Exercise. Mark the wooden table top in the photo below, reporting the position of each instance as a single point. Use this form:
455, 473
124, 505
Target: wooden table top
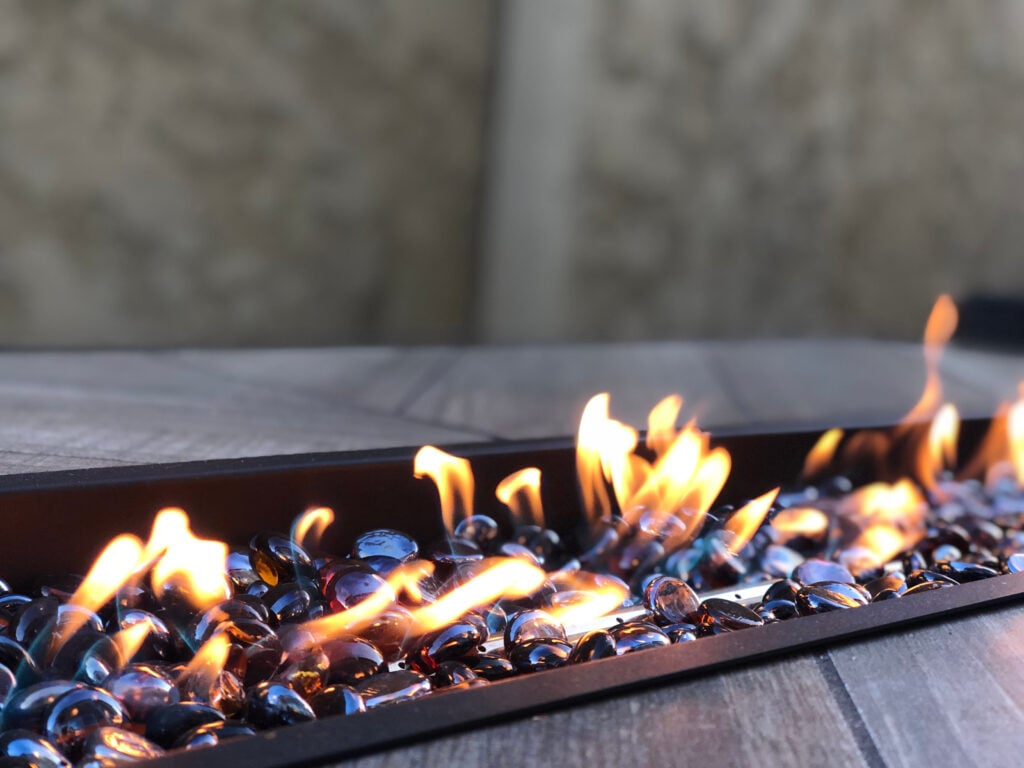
951, 693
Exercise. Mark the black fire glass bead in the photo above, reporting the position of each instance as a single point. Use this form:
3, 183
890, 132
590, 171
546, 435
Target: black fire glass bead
815, 570
7, 684
828, 596
887, 594
785, 589
39, 752
17, 659
889, 583
1014, 563
57, 585
914, 561
382, 565
234, 609
26, 708
159, 643
212, 734
778, 561
682, 562
305, 671
74, 717
924, 576
258, 589
135, 597
351, 659
835, 486
240, 571
928, 586
389, 630
683, 632
962, 572
392, 687
638, 636
540, 654
118, 745
226, 692
451, 552
337, 700
636, 558
11, 606
269, 705
597, 644
88, 656
717, 615
350, 588
165, 725
946, 552
385, 541
456, 642
670, 599
480, 529
451, 674
289, 602
277, 558
603, 537
491, 667
513, 549
141, 688
532, 625
777, 610
34, 618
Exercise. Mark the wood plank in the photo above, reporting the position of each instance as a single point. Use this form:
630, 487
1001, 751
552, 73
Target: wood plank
538, 391
748, 716
840, 380
946, 694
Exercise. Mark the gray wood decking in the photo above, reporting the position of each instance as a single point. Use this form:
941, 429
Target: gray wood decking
951, 693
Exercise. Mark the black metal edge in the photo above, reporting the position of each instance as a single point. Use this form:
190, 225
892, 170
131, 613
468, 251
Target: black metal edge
443, 714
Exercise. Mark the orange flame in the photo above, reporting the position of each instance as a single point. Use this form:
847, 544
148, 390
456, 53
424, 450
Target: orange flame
1015, 433
938, 450
800, 521
596, 598
589, 470
313, 520
938, 331
520, 492
820, 456
130, 639
745, 521
453, 477
205, 667
109, 573
994, 447
890, 517
506, 577
661, 424
181, 558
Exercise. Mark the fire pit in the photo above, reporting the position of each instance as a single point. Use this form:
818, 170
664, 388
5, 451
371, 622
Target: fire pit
716, 548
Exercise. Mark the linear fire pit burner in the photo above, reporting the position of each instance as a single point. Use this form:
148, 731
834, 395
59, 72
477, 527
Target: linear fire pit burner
65, 518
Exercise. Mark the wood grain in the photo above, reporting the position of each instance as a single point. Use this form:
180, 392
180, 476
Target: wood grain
754, 716
945, 694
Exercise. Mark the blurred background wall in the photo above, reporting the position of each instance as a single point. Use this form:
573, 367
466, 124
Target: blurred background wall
213, 172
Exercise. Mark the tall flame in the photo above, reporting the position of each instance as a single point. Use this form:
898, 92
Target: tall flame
591, 598
938, 331
453, 477
197, 565
313, 521
890, 518
589, 442
1015, 433
520, 492
820, 456
130, 639
745, 521
112, 569
938, 450
661, 424
205, 667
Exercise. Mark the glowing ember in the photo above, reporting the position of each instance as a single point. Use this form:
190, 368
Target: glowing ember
453, 478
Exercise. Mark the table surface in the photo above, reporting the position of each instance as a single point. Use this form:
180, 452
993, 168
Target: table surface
939, 694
